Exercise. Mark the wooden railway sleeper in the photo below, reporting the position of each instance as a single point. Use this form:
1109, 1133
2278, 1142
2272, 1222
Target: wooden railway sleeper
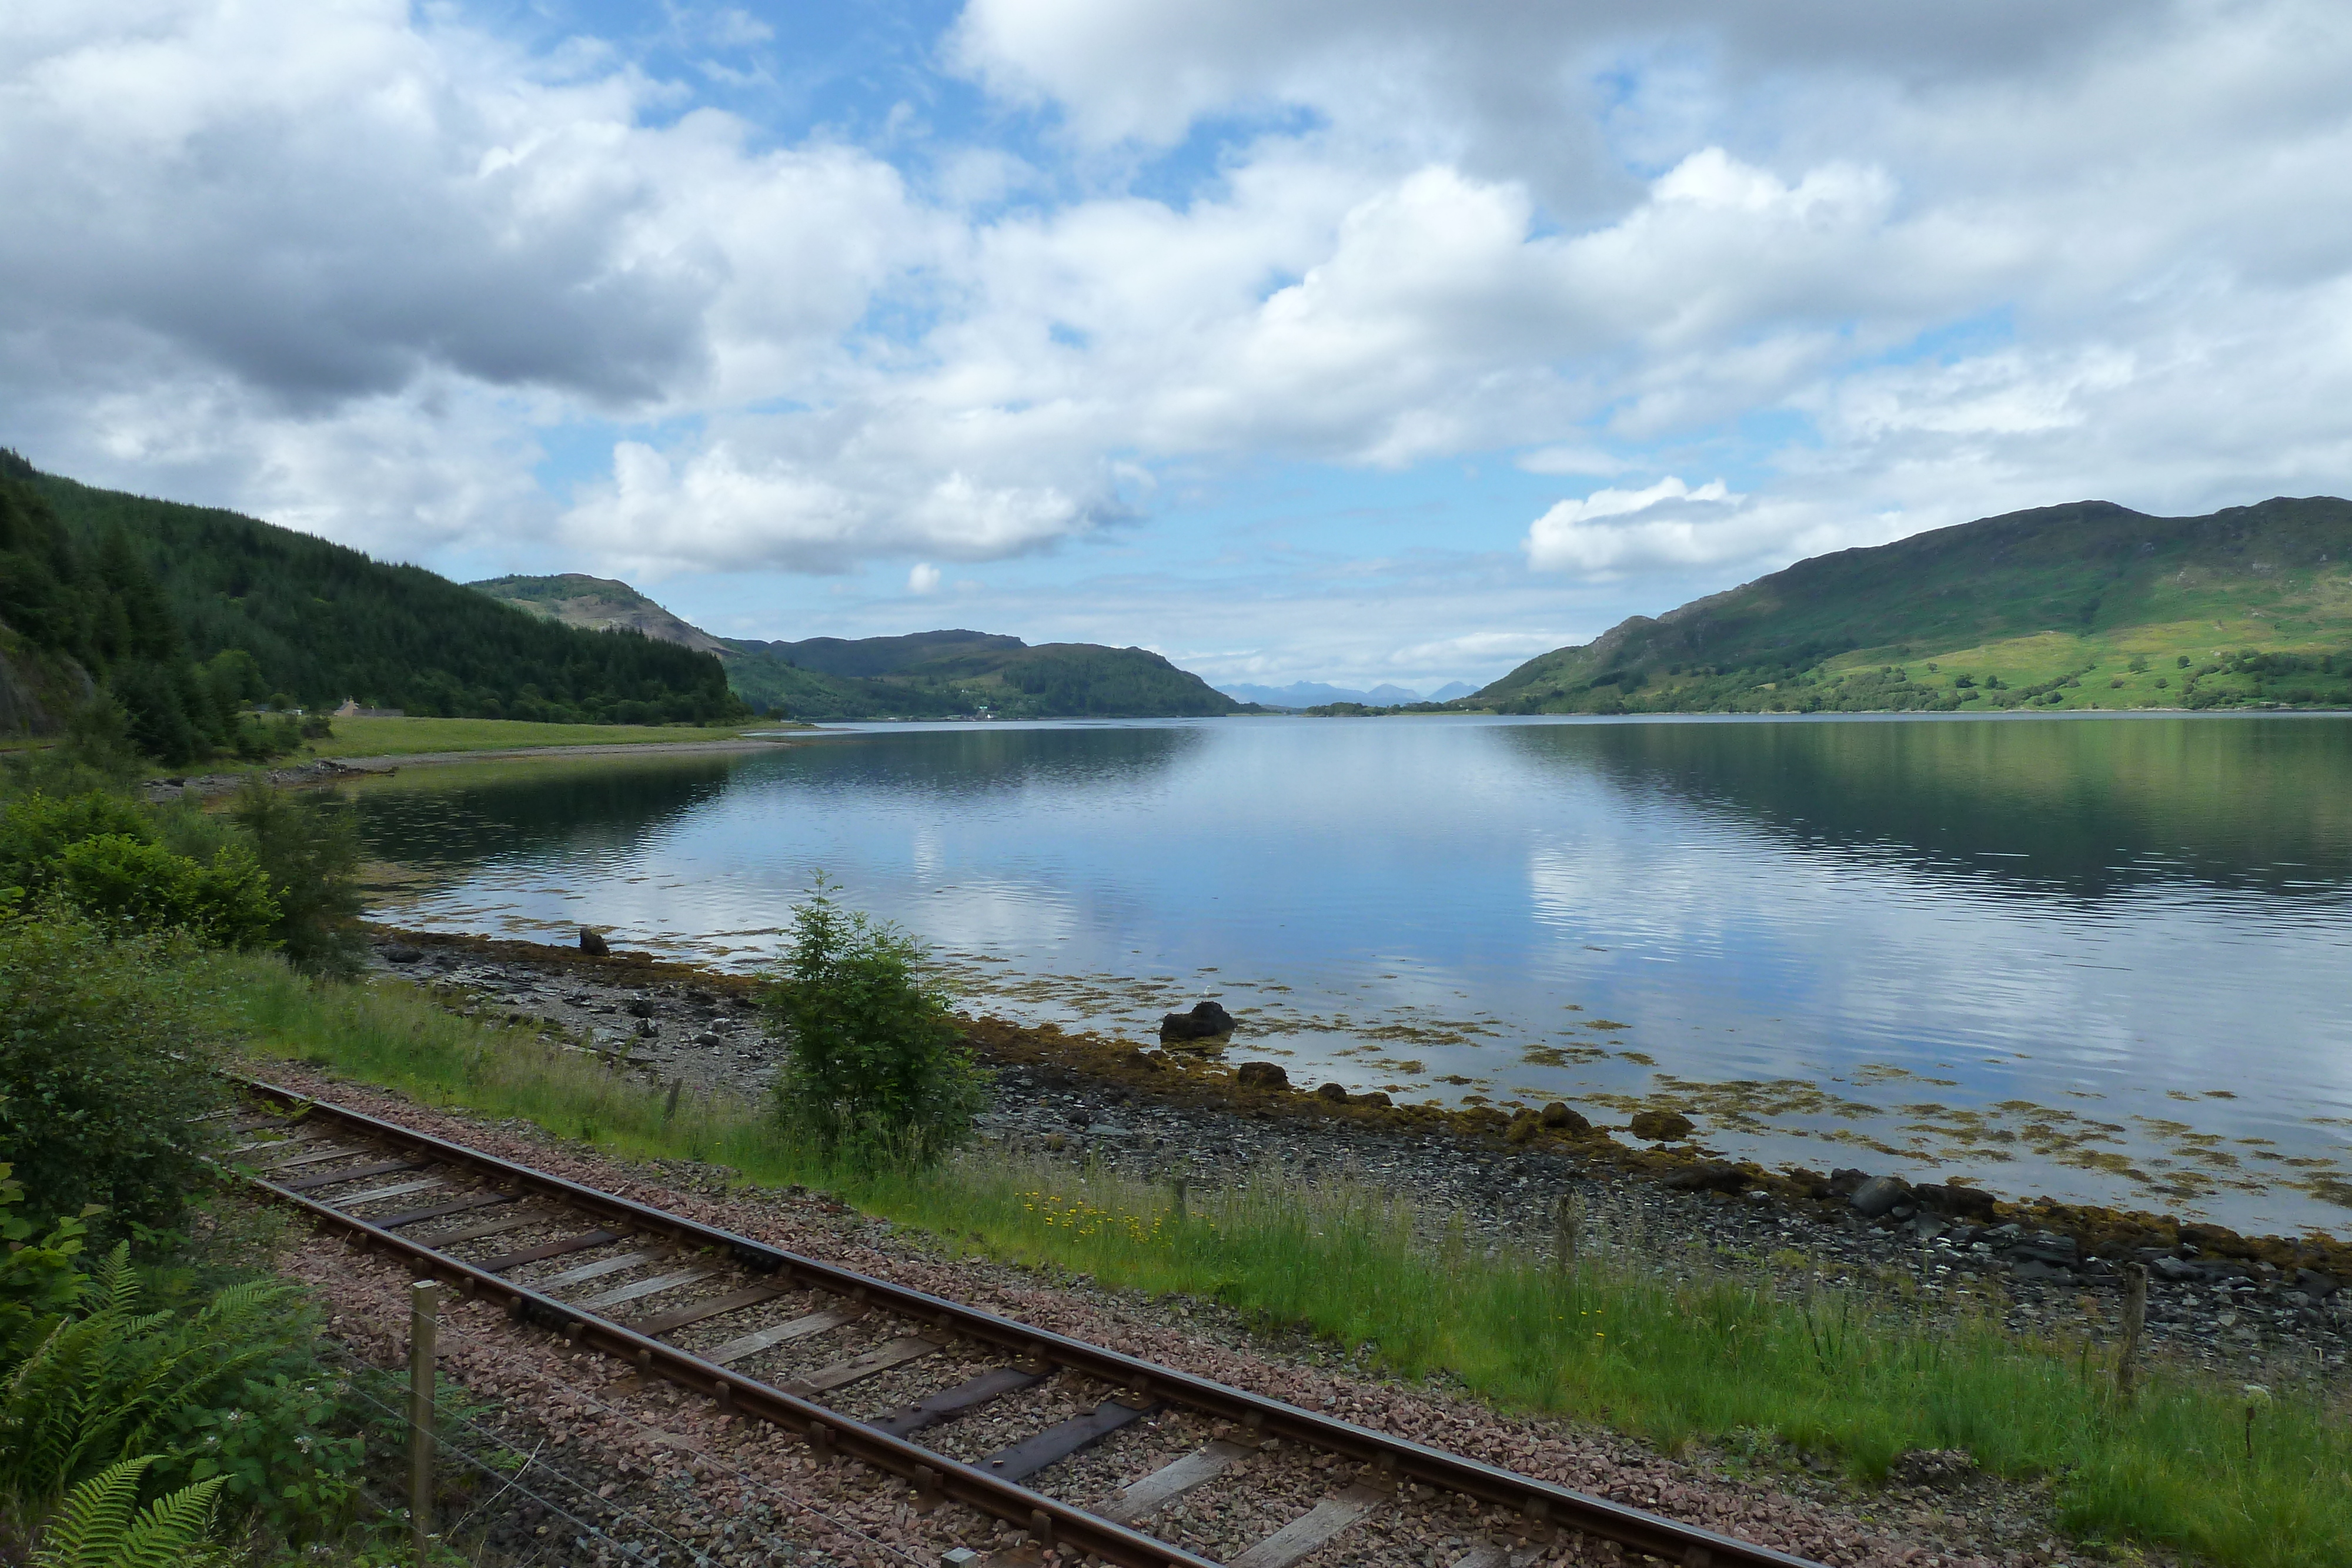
1259, 1418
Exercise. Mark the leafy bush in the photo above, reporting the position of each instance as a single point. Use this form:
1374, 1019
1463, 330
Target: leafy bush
102, 1062
125, 882
872, 1066
35, 827
275, 872
225, 1394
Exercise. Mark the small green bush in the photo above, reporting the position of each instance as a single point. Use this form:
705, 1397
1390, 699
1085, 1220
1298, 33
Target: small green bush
101, 854
103, 1060
35, 827
310, 852
141, 886
872, 1065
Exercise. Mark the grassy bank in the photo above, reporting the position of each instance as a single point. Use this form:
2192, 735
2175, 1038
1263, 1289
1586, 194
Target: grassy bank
404, 737
1714, 1359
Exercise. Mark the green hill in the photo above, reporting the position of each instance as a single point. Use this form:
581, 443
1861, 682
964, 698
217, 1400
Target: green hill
315, 622
2083, 606
923, 674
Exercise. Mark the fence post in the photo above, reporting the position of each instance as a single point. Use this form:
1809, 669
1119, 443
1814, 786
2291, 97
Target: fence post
424, 1323
2134, 1320
1566, 1224
1181, 1214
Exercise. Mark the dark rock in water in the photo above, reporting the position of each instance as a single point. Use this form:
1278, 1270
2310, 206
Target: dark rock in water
1207, 1020
1373, 1097
1659, 1127
1846, 1182
1879, 1195
1967, 1202
1713, 1176
1336, 1091
1260, 1075
1560, 1118
402, 954
592, 944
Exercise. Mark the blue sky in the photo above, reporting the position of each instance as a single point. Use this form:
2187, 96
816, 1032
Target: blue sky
1363, 342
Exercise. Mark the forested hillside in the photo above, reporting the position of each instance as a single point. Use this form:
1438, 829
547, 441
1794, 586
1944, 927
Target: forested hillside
2088, 605
74, 621
323, 622
923, 674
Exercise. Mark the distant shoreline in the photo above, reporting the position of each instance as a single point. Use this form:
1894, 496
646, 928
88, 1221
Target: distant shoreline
337, 770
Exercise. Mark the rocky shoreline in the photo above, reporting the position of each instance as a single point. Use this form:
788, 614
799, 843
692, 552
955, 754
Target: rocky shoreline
2272, 1306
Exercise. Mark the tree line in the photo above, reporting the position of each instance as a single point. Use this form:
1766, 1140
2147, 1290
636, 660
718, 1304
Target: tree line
186, 617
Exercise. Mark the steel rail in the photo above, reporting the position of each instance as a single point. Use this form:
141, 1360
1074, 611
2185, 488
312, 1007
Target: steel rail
1543, 1504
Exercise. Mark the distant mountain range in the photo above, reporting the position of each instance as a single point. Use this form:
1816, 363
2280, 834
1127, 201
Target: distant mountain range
1314, 693
2089, 605
925, 674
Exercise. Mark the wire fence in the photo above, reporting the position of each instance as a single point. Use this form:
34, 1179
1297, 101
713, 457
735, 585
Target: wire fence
513, 1475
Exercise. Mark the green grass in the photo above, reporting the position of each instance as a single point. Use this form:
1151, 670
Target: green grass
1718, 1358
402, 736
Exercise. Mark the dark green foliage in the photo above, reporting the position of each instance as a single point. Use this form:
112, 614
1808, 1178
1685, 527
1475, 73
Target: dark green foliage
221, 1390
873, 1068
125, 883
2087, 569
319, 623
102, 1062
309, 850
98, 854
76, 612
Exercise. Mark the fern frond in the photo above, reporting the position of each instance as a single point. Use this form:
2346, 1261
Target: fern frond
168, 1527
88, 1528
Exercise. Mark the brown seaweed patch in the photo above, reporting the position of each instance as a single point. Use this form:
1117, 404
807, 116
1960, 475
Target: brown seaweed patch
1560, 1055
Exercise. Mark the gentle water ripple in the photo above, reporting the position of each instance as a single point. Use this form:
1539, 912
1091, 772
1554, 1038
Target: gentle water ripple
2102, 958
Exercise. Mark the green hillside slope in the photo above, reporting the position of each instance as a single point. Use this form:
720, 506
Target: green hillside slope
922, 674
2088, 605
324, 622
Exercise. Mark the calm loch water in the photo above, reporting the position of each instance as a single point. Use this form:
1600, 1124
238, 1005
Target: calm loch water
2102, 958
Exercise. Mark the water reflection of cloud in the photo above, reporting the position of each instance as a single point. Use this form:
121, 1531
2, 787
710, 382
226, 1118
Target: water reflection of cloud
1384, 889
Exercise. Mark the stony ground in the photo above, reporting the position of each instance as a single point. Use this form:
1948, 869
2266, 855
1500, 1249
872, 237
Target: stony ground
2251, 1317
617, 1472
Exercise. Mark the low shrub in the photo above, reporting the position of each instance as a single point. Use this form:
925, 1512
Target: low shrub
138, 886
872, 1063
103, 1060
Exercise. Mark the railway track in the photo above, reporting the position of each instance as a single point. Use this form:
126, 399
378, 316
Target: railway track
872, 1370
